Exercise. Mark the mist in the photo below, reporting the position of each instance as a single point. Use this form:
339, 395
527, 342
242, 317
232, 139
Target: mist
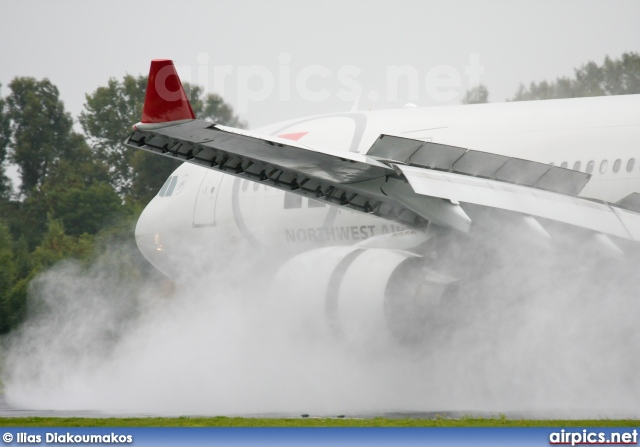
536, 328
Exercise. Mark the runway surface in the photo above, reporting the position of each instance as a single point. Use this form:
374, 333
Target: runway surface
7, 410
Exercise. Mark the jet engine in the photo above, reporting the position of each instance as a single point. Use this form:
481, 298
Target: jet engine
358, 293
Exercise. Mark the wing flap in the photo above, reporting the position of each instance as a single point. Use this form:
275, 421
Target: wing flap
595, 216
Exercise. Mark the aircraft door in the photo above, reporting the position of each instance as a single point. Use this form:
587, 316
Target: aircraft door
204, 213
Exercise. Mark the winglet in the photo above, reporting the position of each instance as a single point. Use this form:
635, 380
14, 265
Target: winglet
165, 101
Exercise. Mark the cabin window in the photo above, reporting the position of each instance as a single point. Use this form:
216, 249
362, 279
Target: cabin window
256, 185
292, 201
564, 164
245, 185
590, 167
315, 204
616, 165
576, 166
630, 164
603, 166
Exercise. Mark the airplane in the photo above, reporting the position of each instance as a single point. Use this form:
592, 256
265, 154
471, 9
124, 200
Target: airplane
394, 196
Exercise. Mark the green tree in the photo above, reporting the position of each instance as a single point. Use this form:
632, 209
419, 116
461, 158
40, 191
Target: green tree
111, 110
55, 246
14, 306
67, 197
85, 209
57, 167
613, 77
22, 258
78, 194
40, 129
5, 133
476, 95
75, 191
109, 113
7, 277
622, 76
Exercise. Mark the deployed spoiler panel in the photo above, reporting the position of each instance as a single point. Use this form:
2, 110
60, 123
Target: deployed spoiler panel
443, 157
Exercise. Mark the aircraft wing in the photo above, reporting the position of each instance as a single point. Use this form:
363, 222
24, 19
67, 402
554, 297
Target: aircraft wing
400, 179
407, 191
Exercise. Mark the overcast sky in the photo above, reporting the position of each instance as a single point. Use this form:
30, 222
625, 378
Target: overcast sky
285, 59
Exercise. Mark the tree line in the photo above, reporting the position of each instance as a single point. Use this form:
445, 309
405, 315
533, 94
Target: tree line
82, 191
78, 190
613, 77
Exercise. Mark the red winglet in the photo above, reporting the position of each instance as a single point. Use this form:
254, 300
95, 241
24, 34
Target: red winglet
165, 99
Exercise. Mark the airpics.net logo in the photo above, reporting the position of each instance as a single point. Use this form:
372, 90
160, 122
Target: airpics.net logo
591, 437
250, 84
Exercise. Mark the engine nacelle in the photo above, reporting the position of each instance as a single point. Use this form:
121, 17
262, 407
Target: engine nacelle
360, 294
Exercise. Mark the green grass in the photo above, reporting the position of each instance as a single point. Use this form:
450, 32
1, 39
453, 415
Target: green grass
307, 422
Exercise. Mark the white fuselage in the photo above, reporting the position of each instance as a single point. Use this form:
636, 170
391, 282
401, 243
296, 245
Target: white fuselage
216, 213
